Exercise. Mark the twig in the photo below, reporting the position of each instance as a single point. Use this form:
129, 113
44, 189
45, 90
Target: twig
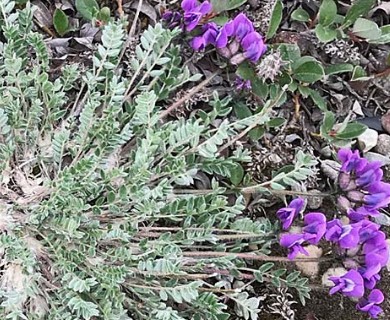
194, 90
120, 8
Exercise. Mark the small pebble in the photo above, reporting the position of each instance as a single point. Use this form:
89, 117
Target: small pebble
368, 140
383, 145
385, 120
314, 202
309, 269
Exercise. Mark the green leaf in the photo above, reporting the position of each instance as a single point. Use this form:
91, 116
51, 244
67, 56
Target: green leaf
367, 29
325, 34
352, 130
358, 73
276, 18
87, 8
276, 122
307, 69
237, 175
226, 5
104, 14
328, 123
300, 15
265, 267
61, 22
338, 68
327, 12
259, 88
318, 100
111, 197
359, 8
256, 133
242, 111
289, 52
385, 36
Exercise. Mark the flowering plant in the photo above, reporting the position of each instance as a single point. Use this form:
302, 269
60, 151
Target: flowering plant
364, 194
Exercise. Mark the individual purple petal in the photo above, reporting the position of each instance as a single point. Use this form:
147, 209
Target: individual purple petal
294, 243
288, 214
334, 228
188, 5
376, 250
242, 26
350, 284
253, 46
370, 304
315, 227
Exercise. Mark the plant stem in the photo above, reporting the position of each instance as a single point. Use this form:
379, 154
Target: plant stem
249, 256
194, 90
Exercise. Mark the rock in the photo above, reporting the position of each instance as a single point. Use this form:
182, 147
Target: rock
332, 272
383, 145
331, 169
309, 269
373, 156
385, 120
368, 140
314, 202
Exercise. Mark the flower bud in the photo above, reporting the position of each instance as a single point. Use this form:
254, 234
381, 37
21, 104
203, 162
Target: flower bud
237, 59
346, 182
225, 52
234, 47
355, 196
343, 203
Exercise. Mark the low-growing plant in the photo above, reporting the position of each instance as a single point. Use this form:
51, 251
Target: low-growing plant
98, 220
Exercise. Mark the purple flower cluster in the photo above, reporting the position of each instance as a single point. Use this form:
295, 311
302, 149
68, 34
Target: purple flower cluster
361, 238
228, 39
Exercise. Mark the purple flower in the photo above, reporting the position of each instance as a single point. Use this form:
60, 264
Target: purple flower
347, 236
242, 84
294, 243
368, 230
223, 36
370, 304
361, 213
369, 174
253, 46
315, 227
350, 160
288, 214
172, 19
210, 31
376, 250
370, 276
378, 197
350, 284
242, 26
194, 12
